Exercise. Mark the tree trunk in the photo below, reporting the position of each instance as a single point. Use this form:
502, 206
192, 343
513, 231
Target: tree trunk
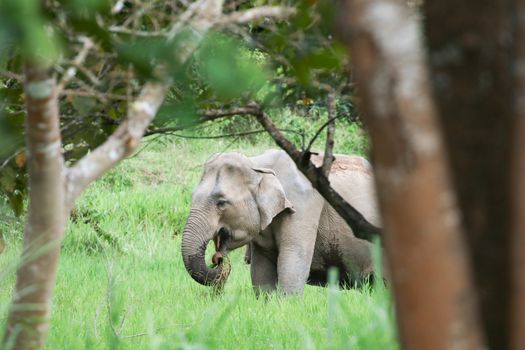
517, 243
28, 321
471, 55
428, 260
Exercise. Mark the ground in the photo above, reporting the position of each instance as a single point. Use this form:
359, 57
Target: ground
122, 284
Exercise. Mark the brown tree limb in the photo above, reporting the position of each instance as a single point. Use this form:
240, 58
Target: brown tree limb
428, 259
361, 227
28, 319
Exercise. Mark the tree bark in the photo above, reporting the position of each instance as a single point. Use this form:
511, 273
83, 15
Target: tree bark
517, 243
428, 260
28, 321
517, 252
471, 54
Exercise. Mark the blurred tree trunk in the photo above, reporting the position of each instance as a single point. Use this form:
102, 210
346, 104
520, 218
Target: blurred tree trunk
471, 48
28, 322
475, 58
428, 262
53, 189
517, 241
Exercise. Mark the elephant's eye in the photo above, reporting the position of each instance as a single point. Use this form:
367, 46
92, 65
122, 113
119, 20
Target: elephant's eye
221, 203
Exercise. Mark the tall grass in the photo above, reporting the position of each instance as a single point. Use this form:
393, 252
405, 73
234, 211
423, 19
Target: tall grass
122, 285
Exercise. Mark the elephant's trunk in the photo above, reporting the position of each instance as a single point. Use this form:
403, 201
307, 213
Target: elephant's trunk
197, 233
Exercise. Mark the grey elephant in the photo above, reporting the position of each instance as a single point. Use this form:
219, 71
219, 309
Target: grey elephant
295, 236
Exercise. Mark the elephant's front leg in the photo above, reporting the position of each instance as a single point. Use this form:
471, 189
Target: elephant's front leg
296, 249
263, 269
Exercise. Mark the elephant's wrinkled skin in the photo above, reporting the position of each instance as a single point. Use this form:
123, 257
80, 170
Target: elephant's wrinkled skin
295, 236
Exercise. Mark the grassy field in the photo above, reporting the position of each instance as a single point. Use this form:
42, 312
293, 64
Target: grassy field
122, 285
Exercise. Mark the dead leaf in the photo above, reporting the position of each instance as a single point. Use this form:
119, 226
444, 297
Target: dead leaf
20, 159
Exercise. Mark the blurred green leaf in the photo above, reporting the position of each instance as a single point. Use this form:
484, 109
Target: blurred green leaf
229, 68
84, 105
181, 113
23, 22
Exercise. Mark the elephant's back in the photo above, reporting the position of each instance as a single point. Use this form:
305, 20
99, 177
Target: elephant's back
353, 179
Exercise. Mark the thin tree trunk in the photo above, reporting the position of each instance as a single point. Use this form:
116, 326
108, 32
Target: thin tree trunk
471, 53
28, 322
428, 260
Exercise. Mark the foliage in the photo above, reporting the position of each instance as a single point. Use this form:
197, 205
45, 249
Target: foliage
284, 65
138, 287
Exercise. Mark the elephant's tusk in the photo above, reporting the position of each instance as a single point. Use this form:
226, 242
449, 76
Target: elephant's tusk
217, 241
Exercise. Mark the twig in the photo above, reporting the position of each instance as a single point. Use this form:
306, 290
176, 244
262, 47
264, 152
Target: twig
140, 33
11, 157
103, 97
12, 75
206, 116
318, 132
184, 18
261, 12
222, 136
79, 59
330, 130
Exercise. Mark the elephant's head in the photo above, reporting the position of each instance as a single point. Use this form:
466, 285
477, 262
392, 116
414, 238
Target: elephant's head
231, 205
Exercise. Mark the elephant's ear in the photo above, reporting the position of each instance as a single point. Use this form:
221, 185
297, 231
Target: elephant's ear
270, 197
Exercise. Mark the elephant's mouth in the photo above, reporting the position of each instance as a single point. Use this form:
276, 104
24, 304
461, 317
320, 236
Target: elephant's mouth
220, 240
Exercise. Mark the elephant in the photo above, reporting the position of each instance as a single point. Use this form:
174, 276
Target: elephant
294, 235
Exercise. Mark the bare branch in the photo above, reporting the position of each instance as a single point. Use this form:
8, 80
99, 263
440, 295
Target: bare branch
120, 144
361, 227
207, 115
12, 75
257, 13
140, 33
329, 146
221, 136
79, 59
101, 96
318, 132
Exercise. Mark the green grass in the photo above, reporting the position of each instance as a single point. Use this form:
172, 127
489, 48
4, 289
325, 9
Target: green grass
122, 285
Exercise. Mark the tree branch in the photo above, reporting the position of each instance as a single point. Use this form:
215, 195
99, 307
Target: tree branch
206, 115
361, 227
329, 146
77, 61
257, 13
120, 144
12, 75
318, 132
